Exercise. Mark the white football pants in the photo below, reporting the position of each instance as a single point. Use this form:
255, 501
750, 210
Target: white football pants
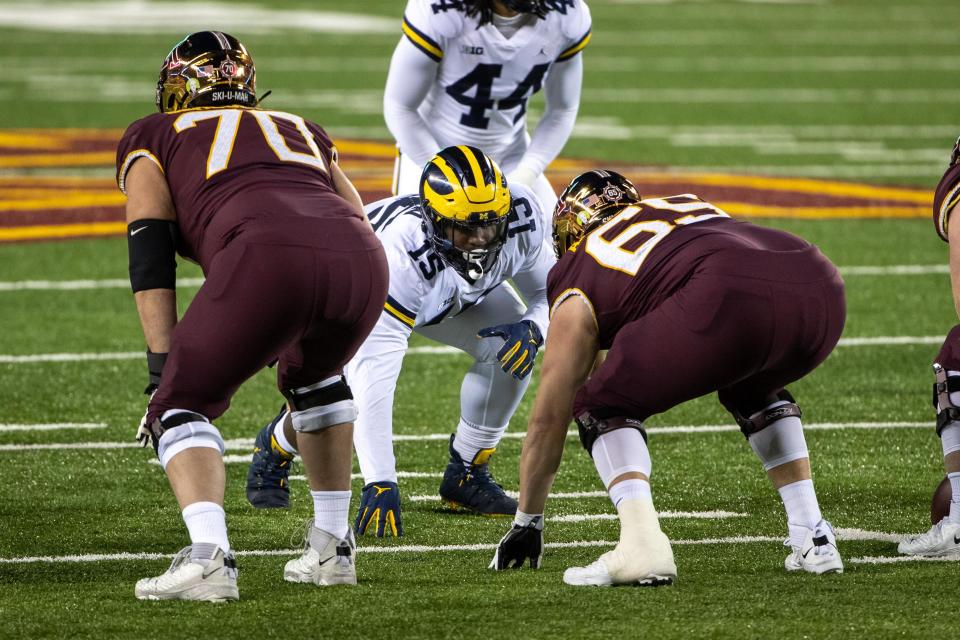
488, 395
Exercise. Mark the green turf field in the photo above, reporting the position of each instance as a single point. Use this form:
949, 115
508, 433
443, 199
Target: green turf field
845, 89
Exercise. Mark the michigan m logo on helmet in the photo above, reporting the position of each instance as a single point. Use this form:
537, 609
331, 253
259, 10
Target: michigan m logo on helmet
463, 196
206, 69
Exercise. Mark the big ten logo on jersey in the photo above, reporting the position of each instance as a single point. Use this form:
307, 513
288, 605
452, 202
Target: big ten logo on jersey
480, 82
471, 50
521, 218
429, 263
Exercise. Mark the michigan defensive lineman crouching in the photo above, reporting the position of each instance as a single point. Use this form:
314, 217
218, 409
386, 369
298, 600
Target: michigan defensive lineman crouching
451, 250
943, 538
688, 301
462, 74
256, 198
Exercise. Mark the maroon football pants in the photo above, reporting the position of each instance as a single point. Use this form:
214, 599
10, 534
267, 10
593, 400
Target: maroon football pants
744, 337
308, 301
949, 356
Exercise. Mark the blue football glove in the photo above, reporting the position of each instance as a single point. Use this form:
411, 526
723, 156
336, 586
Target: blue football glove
379, 512
519, 351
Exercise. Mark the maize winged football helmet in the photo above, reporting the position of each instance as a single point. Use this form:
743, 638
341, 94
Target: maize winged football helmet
462, 190
587, 202
206, 69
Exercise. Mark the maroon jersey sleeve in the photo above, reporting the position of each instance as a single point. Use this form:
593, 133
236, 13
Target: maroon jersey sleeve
946, 198
140, 140
324, 142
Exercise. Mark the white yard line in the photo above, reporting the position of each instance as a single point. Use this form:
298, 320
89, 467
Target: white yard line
696, 515
136, 16
391, 549
889, 341
896, 270
873, 341
245, 444
898, 559
53, 426
77, 285
184, 283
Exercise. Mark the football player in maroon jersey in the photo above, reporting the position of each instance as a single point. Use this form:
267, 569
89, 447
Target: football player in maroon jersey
943, 538
294, 273
688, 301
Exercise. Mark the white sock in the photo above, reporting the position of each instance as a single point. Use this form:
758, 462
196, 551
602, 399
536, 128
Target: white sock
207, 523
330, 511
522, 519
633, 489
471, 439
803, 511
281, 437
955, 498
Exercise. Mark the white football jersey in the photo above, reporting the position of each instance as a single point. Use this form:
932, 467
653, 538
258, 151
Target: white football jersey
484, 79
425, 291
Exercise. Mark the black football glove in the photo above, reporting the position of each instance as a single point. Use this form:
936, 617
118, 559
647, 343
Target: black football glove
519, 350
519, 545
155, 362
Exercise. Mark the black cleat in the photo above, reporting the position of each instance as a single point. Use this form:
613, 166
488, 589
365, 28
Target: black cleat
267, 478
472, 488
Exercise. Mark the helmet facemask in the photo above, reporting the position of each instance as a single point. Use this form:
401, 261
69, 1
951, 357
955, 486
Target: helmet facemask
470, 263
206, 69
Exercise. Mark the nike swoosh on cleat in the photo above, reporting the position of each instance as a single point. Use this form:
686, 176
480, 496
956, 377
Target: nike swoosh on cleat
956, 539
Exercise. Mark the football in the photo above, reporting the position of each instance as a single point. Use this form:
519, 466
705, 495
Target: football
940, 505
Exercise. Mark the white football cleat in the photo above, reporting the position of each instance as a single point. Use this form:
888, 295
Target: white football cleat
209, 580
818, 554
649, 564
329, 562
942, 540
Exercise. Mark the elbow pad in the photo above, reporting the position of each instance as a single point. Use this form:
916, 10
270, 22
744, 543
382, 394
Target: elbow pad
152, 249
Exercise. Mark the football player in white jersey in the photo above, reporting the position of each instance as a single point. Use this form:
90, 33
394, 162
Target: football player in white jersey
450, 251
462, 74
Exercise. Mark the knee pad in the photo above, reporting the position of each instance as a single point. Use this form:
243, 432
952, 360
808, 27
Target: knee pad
321, 405
779, 443
751, 420
591, 427
176, 432
943, 386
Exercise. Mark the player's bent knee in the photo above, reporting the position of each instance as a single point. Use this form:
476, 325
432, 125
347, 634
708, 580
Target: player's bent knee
945, 384
182, 430
321, 405
752, 421
775, 433
591, 427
